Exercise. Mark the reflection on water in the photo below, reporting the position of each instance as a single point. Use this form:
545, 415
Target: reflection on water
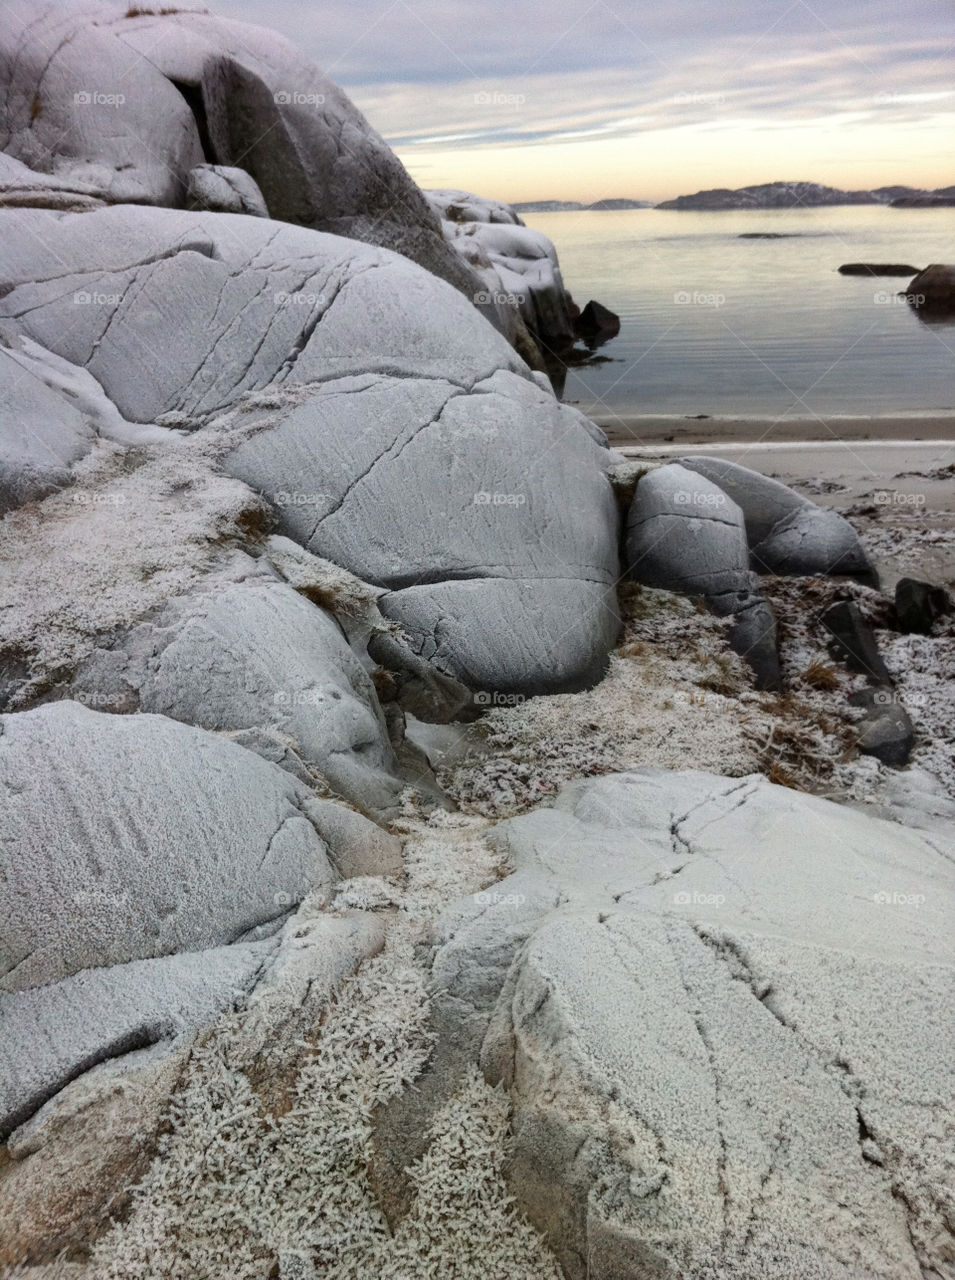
746, 312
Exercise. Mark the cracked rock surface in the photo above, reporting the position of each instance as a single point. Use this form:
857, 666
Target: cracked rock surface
384, 408
720, 1008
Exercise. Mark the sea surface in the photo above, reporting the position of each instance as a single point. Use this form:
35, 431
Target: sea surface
715, 324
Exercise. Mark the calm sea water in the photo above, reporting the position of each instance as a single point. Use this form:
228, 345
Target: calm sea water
715, 324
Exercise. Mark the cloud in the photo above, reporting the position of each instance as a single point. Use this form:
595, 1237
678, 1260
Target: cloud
458, 75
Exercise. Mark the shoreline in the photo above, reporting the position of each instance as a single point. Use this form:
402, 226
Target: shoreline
660, 429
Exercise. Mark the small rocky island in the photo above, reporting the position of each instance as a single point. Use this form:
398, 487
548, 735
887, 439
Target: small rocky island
433, 844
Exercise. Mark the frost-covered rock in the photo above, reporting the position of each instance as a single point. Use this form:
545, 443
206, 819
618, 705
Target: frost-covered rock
392, 429
52, 1034
787, 532
721, 1009
129, 837
222, 189
246, 652
23, 188
129, 102
41, 436
525, 262
685, 534
463, 206
184, 312
88, 1064
521, 598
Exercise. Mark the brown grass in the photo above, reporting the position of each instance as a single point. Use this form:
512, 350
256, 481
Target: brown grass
821, 675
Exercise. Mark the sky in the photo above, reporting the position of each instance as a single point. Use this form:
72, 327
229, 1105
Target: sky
648, 99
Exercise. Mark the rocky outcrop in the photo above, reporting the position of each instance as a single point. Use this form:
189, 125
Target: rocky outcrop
389, 428
204, 91
148, 869
722, 1041
518, 266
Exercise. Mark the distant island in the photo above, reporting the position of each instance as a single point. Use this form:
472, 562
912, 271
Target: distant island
790, 195
565, 206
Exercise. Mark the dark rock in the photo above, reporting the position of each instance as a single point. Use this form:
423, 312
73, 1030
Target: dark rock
877, 269
596, 321
885, 731
754, 637
851, 641
918, 604
934, 288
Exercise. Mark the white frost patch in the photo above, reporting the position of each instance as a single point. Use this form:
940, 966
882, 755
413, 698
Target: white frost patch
236, 1185
133, 530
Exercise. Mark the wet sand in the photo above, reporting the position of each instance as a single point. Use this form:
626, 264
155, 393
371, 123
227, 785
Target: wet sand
649, 429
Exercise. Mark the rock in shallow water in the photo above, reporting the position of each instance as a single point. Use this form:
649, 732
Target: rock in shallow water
727, 1044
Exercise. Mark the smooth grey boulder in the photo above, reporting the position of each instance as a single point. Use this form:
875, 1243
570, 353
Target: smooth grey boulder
222, 189
247, 651
886, 729
685, 534
129, 102
129, 837
42, 434
726, 1042
787, 533
522, 597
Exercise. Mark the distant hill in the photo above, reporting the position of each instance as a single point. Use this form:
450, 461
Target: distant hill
793, 195
561, 206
